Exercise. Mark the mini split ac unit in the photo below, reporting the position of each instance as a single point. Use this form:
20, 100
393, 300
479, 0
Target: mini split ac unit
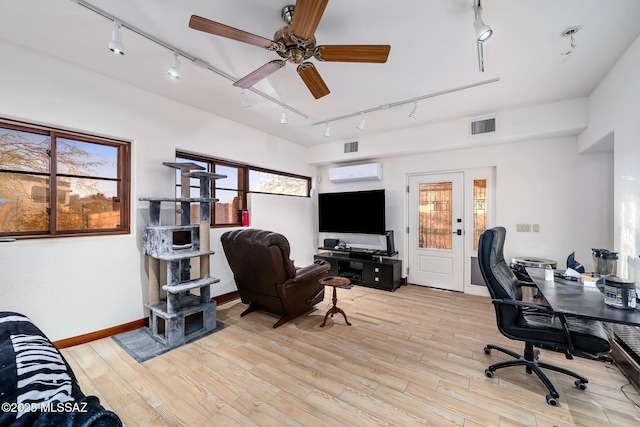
365, 172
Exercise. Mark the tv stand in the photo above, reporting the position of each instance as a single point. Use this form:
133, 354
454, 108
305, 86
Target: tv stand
369, 268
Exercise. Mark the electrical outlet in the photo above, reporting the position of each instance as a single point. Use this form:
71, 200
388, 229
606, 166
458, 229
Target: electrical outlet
535, 228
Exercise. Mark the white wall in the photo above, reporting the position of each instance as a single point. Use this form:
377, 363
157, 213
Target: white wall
79, 285
293, 217
526, 123
543, 181
614, 116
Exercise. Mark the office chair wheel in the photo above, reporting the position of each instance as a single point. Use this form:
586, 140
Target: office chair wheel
580, 385
488, 373
487, 350
552, 400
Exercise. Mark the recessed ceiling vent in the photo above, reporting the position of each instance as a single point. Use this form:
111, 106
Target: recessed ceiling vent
351, 147
483, 126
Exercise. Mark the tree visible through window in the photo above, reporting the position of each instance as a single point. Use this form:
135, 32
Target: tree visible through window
58, 183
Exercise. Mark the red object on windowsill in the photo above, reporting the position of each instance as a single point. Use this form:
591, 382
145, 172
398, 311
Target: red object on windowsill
245, 218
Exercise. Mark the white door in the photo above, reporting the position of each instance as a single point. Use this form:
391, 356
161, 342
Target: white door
436, 240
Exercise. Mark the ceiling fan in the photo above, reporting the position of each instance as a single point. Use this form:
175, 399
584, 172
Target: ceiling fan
296, 43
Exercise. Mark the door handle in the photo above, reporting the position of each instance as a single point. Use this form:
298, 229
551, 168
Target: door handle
458, 232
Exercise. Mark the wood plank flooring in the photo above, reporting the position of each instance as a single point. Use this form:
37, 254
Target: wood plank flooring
413, 357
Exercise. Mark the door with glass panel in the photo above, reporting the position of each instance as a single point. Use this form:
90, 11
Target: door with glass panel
436, 231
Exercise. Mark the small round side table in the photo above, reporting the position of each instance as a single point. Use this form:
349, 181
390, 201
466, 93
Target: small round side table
334, 282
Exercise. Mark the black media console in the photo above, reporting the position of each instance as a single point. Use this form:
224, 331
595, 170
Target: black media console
364, 267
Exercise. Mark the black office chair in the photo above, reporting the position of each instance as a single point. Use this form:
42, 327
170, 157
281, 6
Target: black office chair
534, 324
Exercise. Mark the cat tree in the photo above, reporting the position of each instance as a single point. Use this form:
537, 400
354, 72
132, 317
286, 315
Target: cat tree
176, 315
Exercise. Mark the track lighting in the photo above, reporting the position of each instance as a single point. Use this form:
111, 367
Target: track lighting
327, 130
115, 45
244, 100
283, 118
483, 31
174, 70
414, 113
481, 57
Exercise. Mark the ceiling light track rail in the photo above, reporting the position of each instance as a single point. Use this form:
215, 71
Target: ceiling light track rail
198, 62
406, 101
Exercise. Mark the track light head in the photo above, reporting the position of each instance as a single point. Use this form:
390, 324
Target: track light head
483, 31
414, 113
327, 131
283, 117
244, 100
362, 122
115, 45
174, 70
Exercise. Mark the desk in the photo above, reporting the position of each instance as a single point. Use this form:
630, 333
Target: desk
574, 299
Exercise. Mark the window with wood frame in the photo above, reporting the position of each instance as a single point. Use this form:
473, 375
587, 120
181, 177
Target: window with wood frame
61, 183
240, 180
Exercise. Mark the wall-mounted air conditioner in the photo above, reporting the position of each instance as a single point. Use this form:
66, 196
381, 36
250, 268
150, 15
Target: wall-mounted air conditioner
364, 172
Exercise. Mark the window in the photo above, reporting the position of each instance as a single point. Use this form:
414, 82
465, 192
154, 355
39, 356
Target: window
59, 183
231, 191
479, 210
435, 215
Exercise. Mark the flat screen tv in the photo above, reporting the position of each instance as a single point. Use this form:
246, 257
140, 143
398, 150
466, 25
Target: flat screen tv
361, 212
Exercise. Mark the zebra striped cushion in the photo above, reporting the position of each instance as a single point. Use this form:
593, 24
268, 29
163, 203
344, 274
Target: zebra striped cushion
37, 386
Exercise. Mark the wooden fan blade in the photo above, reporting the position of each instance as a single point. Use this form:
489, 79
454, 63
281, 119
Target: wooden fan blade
306, 17
211, 27
353, 53
259, 74
312, 79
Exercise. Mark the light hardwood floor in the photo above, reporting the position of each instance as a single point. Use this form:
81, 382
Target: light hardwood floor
413, 357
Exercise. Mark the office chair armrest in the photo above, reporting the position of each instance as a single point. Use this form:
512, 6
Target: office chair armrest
563, 320
526, 283
537, 307
545, 310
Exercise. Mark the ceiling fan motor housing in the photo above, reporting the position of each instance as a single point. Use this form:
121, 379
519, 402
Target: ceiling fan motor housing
293, 49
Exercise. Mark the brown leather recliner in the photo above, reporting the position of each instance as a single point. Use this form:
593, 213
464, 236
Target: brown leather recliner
265, 276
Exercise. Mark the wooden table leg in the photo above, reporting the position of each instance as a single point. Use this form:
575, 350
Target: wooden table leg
334, 309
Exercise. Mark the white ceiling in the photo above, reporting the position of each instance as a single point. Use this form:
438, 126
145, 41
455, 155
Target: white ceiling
432, 50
